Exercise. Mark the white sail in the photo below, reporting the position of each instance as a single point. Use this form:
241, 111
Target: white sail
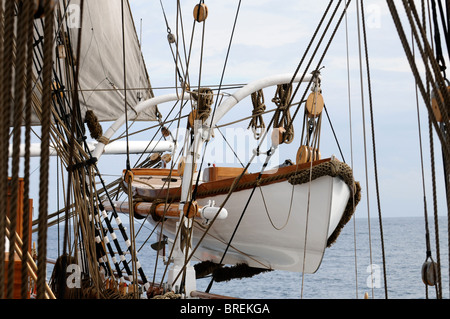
102, 66
101, 61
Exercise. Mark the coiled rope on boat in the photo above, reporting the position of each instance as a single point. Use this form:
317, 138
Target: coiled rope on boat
282, 117
259, 107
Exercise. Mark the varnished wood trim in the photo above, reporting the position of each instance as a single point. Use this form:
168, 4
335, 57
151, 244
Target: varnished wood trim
153, 172
223, 186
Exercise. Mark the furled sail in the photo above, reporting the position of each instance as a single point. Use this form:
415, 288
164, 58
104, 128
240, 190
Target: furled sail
101, 62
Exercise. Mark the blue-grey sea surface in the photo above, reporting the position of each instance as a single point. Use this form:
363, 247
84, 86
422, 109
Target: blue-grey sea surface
352, 267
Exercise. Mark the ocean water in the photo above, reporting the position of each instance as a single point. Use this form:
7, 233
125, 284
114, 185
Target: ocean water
352, 267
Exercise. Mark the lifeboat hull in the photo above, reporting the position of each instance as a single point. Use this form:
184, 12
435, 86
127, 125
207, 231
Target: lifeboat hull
278, 224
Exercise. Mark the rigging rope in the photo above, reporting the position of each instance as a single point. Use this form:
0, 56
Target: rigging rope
83, 186
309, 47
334, 134
204, 99
128, 165
7, 26
438, 77
239, 177
432, 159
282, 115
427, 230
437, 82
172, 40
19, 87
437, 47
72, 138
323, 54
365, 140
125, 85
28, 108
437, 37
351, 146
374, 147
45, 146
213, 114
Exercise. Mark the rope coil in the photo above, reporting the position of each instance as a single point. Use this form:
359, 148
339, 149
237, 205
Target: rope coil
205, 99
282, 116
259, 107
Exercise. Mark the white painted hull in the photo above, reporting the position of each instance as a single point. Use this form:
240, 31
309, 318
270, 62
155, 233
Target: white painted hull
291, 235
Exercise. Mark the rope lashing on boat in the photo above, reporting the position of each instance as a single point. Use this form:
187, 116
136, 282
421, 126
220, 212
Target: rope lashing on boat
282, 116
104, 140
333, 168
205, 99
93, 125
152, 211
259, 107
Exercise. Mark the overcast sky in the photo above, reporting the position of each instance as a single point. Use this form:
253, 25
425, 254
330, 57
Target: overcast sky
270, 38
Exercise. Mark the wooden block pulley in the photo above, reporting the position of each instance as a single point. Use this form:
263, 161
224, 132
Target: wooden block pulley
200, 12
435, 105
306, 154
315, 104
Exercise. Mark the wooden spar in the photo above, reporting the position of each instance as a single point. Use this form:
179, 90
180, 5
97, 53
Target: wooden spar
162, 210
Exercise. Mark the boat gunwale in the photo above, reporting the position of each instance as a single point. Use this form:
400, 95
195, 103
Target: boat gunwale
220, 187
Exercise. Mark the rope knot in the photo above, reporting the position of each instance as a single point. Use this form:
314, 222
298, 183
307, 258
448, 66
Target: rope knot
335, 167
